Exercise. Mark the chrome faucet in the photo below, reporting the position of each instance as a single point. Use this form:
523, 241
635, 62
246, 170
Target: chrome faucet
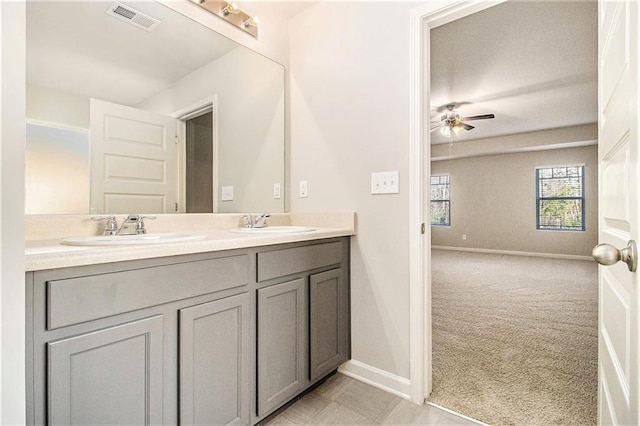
138, 220
112, 224
259, 222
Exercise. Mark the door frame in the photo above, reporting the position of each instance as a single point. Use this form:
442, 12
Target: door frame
422, 20
196, 109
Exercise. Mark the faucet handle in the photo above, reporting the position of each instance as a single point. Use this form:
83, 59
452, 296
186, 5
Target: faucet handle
140, 229
261, 221
112, 224
247, 221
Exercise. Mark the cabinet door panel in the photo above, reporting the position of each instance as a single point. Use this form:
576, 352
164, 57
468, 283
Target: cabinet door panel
214, 369
282, 329
328, 322
111, 376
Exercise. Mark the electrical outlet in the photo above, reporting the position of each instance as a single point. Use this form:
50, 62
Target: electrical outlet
227, 193
276, 190
385, 183
303, 189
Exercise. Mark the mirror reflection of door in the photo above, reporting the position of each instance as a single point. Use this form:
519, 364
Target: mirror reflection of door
133, 160
199, 164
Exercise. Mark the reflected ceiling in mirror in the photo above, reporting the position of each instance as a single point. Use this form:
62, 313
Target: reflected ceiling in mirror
80, 55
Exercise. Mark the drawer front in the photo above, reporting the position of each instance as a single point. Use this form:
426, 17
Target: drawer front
279, 263
80, 299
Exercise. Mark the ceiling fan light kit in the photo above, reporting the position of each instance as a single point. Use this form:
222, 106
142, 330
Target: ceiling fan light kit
452, 123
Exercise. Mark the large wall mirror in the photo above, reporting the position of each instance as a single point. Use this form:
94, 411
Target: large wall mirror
135, 108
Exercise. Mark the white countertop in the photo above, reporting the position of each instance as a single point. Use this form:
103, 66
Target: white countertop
50, 254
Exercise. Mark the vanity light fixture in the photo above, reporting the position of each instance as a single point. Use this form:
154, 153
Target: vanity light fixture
230, 12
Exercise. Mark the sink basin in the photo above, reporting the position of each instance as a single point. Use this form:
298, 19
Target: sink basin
273, 230
118, 240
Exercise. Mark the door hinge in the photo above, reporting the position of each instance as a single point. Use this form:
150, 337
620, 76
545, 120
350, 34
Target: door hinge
176, 140
176, 207
423, 228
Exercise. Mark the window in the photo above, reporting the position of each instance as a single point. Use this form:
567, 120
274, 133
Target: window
440, 201
560, 198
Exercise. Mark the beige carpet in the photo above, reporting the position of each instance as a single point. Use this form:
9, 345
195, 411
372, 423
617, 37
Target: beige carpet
515, 338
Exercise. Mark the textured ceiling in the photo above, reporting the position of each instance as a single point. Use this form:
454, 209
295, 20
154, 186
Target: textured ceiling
532, 64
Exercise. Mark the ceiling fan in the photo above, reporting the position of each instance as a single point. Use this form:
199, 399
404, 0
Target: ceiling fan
452, 122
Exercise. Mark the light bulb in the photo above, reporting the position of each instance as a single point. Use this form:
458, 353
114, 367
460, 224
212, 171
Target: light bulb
456, 129
445, 131
250, 21
230, 8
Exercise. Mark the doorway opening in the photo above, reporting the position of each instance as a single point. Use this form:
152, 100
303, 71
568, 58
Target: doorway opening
198, 156
199, 183
492, 204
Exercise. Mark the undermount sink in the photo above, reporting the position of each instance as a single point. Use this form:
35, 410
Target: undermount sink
273, 230
118, 240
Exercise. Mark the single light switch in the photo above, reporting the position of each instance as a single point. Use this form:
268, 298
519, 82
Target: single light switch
227, 193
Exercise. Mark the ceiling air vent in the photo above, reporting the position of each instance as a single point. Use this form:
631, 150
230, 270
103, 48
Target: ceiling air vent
129, 14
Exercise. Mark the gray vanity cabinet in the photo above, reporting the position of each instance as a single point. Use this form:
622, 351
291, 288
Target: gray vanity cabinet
224, 338
214, 365
154, 341
282, 343
303, 318
114, 375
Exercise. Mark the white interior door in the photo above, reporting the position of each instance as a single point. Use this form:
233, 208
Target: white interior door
619, 199
133, 160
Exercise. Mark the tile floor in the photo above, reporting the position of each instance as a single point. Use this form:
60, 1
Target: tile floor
342, 400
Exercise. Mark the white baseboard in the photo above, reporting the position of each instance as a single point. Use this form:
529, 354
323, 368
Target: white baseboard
515, 253
381, 379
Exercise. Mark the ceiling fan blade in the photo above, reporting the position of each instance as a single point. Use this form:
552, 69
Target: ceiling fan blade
467, 126
479, 117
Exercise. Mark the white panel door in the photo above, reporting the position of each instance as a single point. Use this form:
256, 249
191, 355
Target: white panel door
619, 320
133, 160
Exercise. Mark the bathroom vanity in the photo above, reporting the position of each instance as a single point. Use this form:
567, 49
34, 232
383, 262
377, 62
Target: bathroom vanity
210, 337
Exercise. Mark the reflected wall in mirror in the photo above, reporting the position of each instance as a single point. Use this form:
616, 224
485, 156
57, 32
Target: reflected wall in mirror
127, 119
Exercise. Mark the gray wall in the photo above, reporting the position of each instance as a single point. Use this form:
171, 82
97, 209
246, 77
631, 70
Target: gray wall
350, 117
506, 219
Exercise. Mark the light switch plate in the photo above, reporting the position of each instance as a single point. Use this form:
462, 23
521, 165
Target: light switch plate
385, 183
303, 189
276, 190
227, 193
